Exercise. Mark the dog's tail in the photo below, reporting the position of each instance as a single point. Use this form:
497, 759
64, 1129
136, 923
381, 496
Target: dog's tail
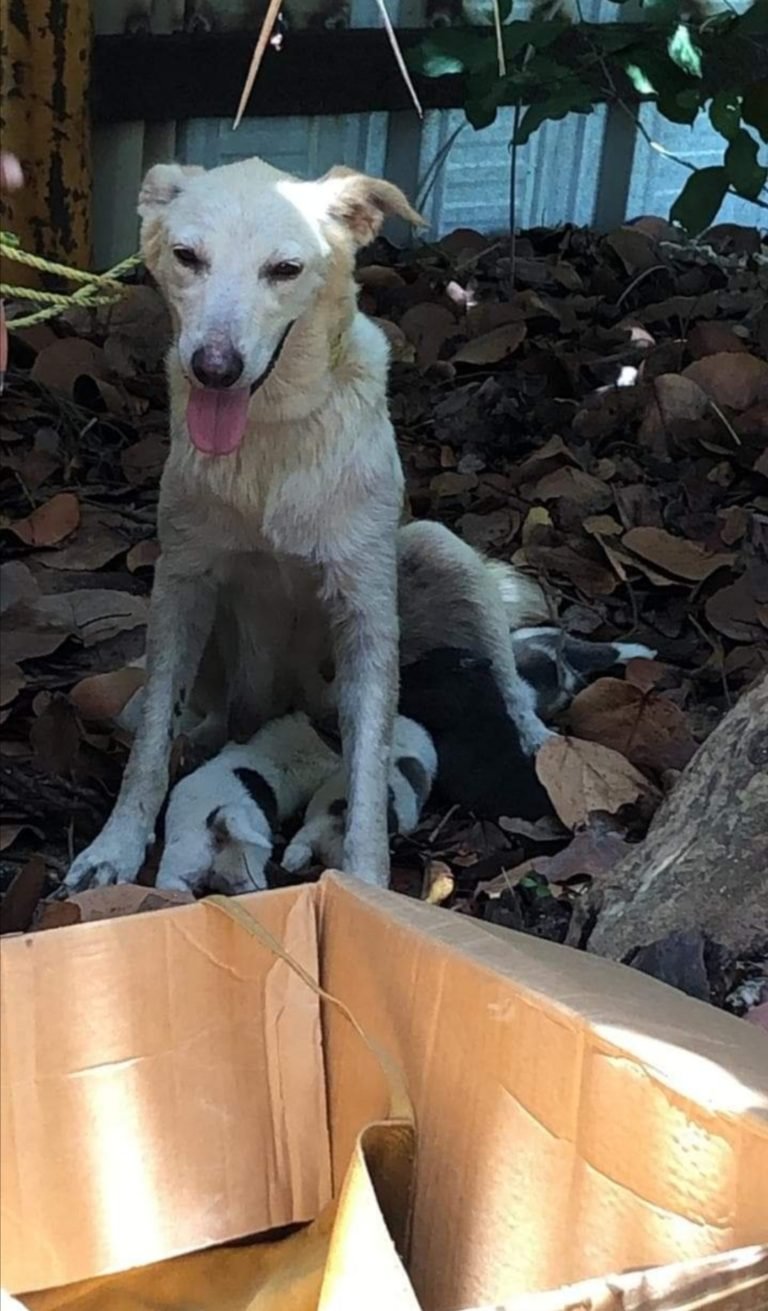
524, 600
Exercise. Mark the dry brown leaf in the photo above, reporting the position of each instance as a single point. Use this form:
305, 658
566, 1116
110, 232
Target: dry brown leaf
586, 574
594, 852
95, 544
143, 461
18, 905
734, 381
487, 531
143, 555
672, 397
647, 728
635, 248
582, 777
576, 486
438, 883
60, 365
401, 349
139, 331
427, 326
377, 276
10, 832
12, 680
55, 737
493, 346
714, 338
108, 903
453, 484
49, 523
734, 611
684, 559
103, 696
483, 318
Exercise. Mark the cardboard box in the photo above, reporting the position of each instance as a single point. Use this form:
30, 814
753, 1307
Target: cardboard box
168, 1083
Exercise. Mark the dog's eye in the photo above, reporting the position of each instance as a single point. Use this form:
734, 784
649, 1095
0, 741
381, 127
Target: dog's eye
285, 270
187, 257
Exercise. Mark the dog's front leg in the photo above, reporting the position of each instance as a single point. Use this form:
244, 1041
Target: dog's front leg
180, 620
366, 641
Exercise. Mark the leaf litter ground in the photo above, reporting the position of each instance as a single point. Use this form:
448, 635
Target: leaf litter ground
595, 412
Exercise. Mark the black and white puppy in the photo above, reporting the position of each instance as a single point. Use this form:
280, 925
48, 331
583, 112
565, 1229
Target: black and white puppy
557, 666
413, 765
221, 819
453, 693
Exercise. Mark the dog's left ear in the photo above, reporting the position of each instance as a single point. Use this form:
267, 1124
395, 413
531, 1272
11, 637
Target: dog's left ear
360, 204
163, 183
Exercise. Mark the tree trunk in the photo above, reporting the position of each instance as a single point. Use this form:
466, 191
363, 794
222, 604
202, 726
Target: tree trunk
704, 863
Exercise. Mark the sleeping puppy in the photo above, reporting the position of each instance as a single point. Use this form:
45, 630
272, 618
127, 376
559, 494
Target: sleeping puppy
412, 769
221, 818
557, 666
482, 763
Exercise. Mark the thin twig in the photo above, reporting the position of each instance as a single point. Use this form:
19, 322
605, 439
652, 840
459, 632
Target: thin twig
270, 18
500, 54
725, 422
397, 52
513, 195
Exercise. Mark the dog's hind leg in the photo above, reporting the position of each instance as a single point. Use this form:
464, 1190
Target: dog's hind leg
180, 620
449, 596
363, 601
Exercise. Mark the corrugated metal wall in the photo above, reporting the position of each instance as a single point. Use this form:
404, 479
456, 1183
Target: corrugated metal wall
584, 169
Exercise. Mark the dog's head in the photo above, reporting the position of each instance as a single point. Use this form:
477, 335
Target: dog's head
241, 253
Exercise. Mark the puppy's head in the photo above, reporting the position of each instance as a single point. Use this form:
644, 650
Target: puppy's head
241, 253
240, 849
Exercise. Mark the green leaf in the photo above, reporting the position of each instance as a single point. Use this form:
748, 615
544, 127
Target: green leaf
744, 173
682, 106
754, 107
539, 34
451, 51
755, 21
683, 52
700, 199
725, 113
640, 80
574, 98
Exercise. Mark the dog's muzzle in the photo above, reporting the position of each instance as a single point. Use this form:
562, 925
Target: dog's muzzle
262, 378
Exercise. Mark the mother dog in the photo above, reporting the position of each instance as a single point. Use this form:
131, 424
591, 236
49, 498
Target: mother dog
281, 497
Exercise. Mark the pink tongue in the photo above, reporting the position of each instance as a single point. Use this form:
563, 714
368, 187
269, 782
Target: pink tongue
216, 419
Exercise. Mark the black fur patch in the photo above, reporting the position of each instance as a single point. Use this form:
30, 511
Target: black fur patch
414, 773
262, 792
393, 823
212, 816
338, 807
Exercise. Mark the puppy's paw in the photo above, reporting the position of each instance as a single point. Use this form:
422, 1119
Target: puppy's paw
297, 854
627, 651
116, 856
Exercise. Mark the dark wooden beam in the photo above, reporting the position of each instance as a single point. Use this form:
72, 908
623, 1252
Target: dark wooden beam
351, 71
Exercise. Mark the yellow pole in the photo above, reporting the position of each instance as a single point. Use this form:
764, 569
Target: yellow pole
45, 48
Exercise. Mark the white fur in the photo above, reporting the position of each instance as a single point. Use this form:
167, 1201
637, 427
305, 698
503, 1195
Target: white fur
321, 835
280, 557
230, 852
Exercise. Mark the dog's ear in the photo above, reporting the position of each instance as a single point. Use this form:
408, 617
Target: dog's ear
163, 184
360, 204
237, 823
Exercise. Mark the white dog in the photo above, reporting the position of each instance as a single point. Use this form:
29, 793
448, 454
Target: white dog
281, 498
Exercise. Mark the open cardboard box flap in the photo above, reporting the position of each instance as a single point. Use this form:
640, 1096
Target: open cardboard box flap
168, 1084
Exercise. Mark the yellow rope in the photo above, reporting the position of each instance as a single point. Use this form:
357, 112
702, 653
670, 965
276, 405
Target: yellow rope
96, 288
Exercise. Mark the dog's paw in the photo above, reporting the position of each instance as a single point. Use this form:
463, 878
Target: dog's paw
116, 856
633, 651
533, 734
297, 854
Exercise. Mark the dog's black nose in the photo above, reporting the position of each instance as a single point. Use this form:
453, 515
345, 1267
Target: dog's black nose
217, 366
